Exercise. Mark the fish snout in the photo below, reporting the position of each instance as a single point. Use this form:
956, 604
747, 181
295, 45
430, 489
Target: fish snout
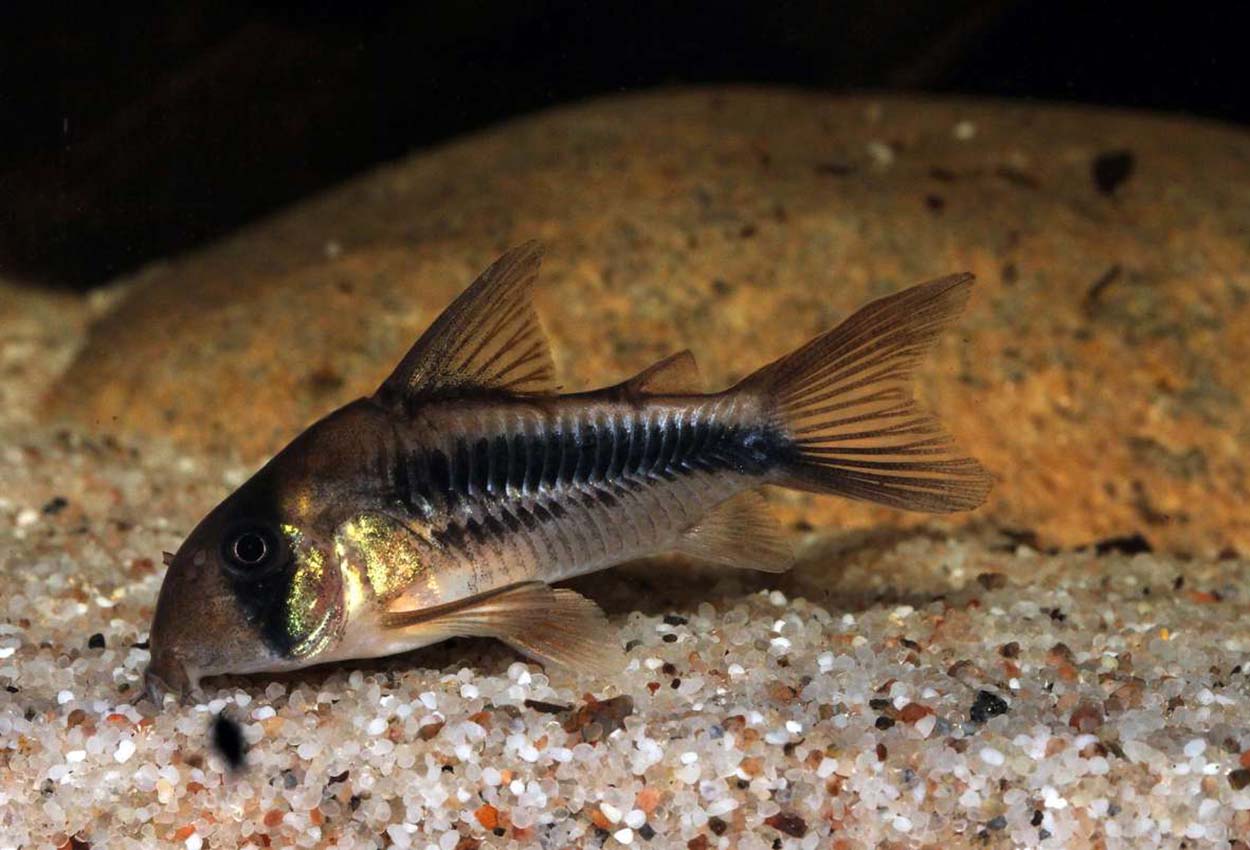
166, 674
190, 632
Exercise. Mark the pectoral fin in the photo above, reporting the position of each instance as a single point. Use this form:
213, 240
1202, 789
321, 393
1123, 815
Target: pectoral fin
575, 633
510, 609
740, 533
557, 626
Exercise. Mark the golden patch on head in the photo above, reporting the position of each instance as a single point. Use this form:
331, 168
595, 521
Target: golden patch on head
386, 549
310, 605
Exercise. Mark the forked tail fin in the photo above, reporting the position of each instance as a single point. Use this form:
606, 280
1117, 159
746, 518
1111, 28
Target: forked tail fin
843, 408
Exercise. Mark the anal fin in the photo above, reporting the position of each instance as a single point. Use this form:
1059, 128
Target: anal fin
741, 533
552, 625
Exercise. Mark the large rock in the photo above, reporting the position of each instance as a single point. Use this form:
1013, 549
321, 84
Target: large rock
1097, 372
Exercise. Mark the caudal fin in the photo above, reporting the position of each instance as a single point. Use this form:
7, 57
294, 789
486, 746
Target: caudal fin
843, 407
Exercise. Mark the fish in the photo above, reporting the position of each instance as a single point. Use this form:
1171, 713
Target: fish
455, 499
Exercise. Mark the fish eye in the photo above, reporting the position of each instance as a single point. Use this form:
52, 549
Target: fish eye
251, 548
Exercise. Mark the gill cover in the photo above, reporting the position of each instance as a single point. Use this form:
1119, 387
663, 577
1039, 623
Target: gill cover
311, 615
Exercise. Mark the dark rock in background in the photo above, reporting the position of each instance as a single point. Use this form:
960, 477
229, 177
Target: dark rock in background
134, 136
130, 134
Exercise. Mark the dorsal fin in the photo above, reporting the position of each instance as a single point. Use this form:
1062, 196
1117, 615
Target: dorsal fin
676, 374
489, 339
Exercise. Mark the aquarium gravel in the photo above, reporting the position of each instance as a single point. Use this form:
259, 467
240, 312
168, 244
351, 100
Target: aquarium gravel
900, 689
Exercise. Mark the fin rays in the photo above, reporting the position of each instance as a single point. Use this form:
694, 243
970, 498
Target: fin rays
674, 375
558, 626
741, 533
845, 407
489, 339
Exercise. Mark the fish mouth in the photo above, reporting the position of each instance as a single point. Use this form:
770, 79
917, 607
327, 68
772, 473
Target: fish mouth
167, 675
156, 688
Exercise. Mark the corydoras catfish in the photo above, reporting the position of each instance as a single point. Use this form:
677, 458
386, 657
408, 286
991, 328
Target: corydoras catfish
451, 500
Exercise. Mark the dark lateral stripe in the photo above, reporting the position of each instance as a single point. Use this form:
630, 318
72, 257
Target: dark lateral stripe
518, 462
636, 446
479, 466
620, 449
652, 442
587, 441
670, 431
440, 472
605, 447
553, 452
419, 476
570, 453
500, 455
397, 474
594, 452
460, 469
625, 451
702, 436
464, 459
685, 439
535, 457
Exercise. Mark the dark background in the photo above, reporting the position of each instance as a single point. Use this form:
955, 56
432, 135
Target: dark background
129, 134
